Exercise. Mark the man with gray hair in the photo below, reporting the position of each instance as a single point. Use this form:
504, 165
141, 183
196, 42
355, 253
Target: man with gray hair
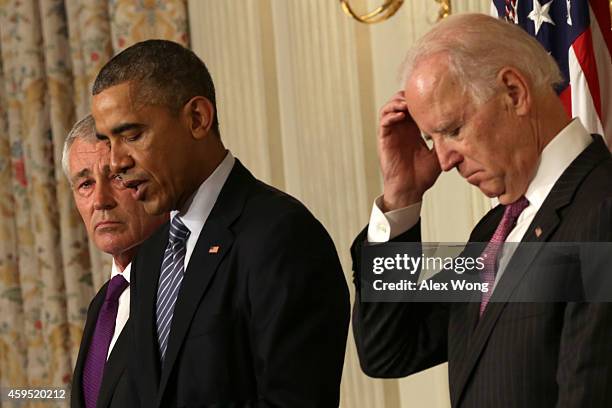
117, 224
484, 92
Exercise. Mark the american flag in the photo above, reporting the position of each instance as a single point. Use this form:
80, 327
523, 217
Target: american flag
577, 34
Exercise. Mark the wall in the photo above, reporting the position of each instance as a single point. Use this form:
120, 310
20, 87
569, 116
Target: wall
299, 86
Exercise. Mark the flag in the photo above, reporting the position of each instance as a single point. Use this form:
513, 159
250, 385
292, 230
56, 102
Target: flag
577, 34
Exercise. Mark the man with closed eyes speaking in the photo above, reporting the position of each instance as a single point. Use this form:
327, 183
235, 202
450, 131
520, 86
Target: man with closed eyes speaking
240, 300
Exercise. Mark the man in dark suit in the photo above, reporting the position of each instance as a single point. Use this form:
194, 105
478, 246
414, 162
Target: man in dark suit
239, 301
483, 91
117, 224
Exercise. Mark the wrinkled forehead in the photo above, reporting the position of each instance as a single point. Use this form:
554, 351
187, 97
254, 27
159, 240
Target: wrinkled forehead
435, 97
89, 157
433, 80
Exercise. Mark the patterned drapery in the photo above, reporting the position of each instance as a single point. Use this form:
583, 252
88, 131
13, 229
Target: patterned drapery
50, 52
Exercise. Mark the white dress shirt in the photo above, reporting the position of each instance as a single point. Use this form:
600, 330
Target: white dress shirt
198, 207
123, 312
197, 210
557, 155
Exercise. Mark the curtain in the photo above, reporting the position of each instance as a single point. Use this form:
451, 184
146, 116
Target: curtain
50, 53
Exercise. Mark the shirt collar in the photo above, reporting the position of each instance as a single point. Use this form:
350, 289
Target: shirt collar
126, 272
557, 155
202, 202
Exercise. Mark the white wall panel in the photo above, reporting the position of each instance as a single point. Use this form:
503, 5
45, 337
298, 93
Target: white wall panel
299, 85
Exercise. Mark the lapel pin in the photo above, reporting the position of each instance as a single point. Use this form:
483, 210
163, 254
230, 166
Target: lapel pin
213, 249
538, 231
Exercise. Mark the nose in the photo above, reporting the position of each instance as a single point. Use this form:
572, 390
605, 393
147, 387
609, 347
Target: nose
120, 160
447, 156
103, 196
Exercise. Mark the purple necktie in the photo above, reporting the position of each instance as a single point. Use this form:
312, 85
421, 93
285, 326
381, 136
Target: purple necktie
100, 342
495, 245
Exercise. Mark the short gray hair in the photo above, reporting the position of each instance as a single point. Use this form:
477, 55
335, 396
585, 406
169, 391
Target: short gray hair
478, 46
83, 129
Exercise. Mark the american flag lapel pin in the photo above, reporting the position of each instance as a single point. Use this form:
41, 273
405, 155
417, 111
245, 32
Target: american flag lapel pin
538, 231
213, 249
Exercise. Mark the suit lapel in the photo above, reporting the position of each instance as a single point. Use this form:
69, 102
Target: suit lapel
547, 220
90, 325
146, 330
204, 262
463, 337
114, 368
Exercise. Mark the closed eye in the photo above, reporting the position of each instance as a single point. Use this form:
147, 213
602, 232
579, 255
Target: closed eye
133, 138
454, 132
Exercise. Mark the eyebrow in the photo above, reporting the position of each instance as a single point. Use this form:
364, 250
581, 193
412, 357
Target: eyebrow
81, 174
445, 127
441, 129
117, 130
106, 170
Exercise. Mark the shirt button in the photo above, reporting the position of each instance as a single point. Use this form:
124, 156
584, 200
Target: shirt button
382, 228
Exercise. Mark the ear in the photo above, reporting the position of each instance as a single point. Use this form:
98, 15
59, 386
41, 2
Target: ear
516, 89
199, 113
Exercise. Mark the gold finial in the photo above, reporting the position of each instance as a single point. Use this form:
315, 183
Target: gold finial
390, 7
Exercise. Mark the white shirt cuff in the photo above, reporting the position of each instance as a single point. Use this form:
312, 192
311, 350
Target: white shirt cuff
384, 227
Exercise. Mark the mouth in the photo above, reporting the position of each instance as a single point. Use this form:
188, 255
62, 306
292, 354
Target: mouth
137, 187
106, 224
472, 178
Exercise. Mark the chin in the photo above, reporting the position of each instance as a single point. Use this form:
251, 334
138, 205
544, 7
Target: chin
490, 193
155, 207
492, 189
506, 199
111, 248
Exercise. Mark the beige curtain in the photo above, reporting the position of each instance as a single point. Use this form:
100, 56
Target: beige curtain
50, 52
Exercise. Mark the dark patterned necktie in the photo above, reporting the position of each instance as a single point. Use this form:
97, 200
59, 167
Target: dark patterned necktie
495, 245
170, 280
100, 342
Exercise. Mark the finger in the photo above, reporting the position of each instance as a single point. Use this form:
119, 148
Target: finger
423, 143
398, 95
392, 107
392, 118
397, 98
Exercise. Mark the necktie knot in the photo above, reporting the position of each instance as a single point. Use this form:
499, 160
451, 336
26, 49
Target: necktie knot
515, 209
178, 231
115, 288
508, 222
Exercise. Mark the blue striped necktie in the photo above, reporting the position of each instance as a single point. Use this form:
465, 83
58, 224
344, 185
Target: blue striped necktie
170, 280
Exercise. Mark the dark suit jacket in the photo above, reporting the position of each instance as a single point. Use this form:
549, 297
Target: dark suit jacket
262, 322
517, 354
114, 390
